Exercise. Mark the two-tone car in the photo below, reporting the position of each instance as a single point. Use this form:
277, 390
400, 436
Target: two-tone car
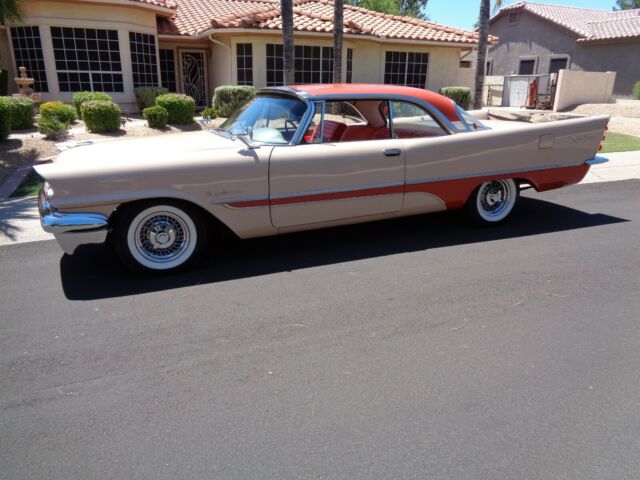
300, 158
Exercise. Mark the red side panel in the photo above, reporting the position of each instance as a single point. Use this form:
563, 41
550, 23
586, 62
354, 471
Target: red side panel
454, 193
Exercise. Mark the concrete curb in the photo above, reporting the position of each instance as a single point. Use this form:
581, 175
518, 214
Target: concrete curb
11, 184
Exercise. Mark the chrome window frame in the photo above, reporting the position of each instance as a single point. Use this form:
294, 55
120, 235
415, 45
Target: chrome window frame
310, 100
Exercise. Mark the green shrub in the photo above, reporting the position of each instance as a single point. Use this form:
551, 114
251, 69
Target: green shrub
4, 81
5, 118
81, 97
101, 116
146, 96
209, 112
636, 91
21, 113
58, 110
157, 117
460, 95
227, 98
181, 108
51, 127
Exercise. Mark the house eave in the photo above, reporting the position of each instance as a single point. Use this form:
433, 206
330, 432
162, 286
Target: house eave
127, 3
608, 41
349, 36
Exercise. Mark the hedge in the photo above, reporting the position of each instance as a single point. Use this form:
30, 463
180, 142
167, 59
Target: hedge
146, 96
101, 116
5, 118
209, 112
4, 81
636, 91
81, 97
51, 127
181, 108
228, 98
460, 95
157, 117
21, 113
58, 110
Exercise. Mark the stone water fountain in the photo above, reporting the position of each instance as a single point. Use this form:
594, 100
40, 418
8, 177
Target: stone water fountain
25, 86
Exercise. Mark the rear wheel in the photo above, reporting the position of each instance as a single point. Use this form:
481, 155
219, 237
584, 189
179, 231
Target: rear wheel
493, 201
159, 236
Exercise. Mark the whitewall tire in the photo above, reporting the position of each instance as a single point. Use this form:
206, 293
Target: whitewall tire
493, 201
159, 237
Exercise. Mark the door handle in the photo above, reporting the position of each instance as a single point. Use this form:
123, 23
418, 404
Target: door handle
392, 152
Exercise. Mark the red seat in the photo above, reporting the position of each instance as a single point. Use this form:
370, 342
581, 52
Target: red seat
355, 133
332, 132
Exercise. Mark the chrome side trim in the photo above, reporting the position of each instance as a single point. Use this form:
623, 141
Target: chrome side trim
597, 161
252, 198
424, 180
349, 188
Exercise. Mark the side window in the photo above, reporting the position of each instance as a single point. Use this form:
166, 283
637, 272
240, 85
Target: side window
347, 121
412, 121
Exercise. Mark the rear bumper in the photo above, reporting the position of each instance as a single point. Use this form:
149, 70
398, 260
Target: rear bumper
597, 161
72, 229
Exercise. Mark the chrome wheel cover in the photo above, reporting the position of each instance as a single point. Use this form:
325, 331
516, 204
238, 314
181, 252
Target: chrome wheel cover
496, 199
161, 237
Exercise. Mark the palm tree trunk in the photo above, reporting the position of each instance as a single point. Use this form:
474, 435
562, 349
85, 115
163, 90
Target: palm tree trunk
483, 22
338, 32
287, 41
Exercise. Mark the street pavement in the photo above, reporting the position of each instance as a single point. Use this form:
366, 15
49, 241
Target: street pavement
418, 348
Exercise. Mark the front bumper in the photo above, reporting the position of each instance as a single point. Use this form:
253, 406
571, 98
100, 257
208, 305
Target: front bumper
72, 229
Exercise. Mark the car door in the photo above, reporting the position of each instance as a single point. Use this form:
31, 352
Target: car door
331, 180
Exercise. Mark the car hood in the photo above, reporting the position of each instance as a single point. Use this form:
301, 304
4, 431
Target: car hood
158, 151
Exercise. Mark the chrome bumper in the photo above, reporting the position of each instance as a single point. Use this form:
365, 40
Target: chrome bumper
72, 229
597, 161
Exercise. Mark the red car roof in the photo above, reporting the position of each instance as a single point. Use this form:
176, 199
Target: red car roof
442, 103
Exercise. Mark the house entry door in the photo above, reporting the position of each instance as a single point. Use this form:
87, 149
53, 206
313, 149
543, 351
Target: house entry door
194, 76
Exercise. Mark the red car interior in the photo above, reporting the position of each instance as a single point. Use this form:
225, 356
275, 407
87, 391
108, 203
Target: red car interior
354, 133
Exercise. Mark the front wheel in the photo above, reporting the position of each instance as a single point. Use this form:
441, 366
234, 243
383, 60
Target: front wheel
493, 201
159, 237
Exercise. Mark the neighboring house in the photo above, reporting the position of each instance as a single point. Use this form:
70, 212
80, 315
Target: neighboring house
192, 46
535, 38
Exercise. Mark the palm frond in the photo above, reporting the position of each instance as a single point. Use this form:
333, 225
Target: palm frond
12, 11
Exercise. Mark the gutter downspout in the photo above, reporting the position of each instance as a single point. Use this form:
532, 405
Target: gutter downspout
228, 47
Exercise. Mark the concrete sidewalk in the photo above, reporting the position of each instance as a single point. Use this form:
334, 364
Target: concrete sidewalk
19, 220
621, 166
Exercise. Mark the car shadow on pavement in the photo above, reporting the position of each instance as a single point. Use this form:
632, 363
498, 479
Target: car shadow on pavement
93, 273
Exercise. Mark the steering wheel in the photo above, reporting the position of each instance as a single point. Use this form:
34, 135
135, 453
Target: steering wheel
286, 128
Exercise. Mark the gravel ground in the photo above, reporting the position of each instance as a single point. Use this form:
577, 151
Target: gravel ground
625, 117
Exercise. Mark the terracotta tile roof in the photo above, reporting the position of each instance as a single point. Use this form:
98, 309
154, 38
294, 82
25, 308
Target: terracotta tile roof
589, 24
197, 16
158, 3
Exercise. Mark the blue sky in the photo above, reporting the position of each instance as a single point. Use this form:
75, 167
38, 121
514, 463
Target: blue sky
464, 13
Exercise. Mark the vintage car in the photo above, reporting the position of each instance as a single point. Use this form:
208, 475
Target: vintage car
305, 157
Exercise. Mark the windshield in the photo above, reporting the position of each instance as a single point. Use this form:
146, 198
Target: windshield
267, 119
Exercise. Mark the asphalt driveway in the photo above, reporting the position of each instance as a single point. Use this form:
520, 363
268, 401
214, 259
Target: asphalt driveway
418, 348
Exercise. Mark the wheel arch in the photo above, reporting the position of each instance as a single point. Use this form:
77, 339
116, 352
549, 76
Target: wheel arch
215, 222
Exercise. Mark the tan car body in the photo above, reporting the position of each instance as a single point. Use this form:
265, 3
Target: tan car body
247, 188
